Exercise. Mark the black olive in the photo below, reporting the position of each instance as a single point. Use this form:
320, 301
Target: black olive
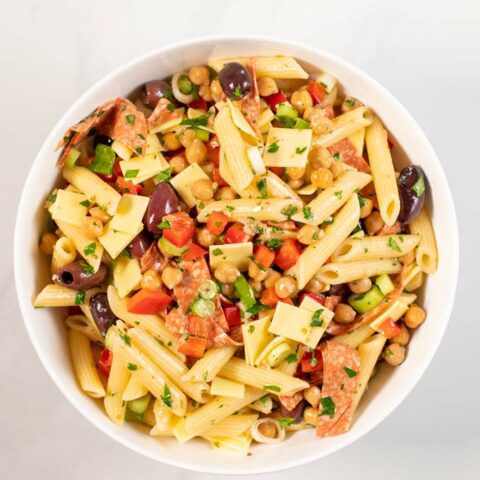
103, 139
101, 312
412, 185
163, 201
139, 245
153, 91
296, 413
80, 276
235, 80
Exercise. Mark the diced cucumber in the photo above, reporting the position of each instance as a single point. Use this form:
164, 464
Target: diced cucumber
385, 284
133, 417
110, 337
139, 405
169, 248
367, 301
286, 110
202, 307
209, 289
202, 135
244, 292
72, 157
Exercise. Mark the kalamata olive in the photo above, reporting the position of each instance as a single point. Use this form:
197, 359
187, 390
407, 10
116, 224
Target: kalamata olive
163, 201
80, 276
341, 290
235, 80
296, 413
412, 185
153, 91
103, 139
101, 312
139, 245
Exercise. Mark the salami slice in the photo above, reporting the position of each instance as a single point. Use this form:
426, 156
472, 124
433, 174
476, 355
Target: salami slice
163, 113
341, 364
152, 259
291, 401
346, 152
250, 104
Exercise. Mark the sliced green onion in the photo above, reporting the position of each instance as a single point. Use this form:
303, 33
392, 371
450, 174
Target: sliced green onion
209, 289
139, 405
202, 307
169, 248
202, 135
185, 85
244, 292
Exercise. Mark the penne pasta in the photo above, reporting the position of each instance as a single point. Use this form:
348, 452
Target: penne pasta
63, 253
82, 324
382, 171
232, 426
394, 312
426, 254
206, 368
134, 389
56, 296
355, 337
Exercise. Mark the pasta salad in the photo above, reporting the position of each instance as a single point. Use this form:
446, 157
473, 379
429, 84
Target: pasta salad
236, 251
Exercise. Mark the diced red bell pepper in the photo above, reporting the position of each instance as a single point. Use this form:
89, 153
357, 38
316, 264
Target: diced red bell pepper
232, 315
148, 302
193, 347
275, 99
217, 178
269, 297
318, 297
212, 143
389, 328
287, 255
312, 363
199, 104
263, 255
181, 228
316, 91
216, 223
277, 171
117, 170
236, 234
104, 364
194, 251
126, 185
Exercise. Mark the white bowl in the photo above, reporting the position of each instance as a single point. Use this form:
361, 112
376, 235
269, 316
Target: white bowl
390, 386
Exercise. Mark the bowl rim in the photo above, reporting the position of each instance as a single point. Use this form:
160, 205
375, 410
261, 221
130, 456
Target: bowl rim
416, 374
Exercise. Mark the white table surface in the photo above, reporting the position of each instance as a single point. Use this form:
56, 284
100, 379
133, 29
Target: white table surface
424, 52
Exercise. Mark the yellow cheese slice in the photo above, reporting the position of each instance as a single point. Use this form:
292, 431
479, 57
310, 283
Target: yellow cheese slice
68, 207
129, 214
115, 241
239, 254
185, 179
139, 169
126, 275
287, 147
324, 317
256, 337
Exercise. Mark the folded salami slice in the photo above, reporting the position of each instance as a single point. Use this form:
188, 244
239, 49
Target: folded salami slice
347, 154
250, 104
163, 113
341, 365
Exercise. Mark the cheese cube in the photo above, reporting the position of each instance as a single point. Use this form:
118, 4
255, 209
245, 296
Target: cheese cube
69, 207
115, 241
323, 318
185, 179
129, 214
139, 169
239, 254
287, 147
126, 275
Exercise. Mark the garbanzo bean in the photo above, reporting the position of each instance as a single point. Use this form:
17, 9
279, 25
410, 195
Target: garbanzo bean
295, 173
312, 395
308, 234
171, 142
267, 429
226, 272
99, 213
178, 163
256, 272
272, 277
47, 242
314, 286
301, 100
310, 415
92, 226
320, 157
415, 316
322, 178
360, 286
205, 238
151, 280
171, 276
402, 337
202, 189
257, 287
394, 354
285, 287
373, 223
295, 184
337, 168
225, 193
228, 289
367, 208
196, 152
267, 86
199, 75
408, 258
187, 137
344, 313
205, 93
216, 91
319, 123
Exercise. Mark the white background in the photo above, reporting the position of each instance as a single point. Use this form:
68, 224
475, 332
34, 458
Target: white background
425, 52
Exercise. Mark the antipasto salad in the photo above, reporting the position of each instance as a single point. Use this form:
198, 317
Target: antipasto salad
236, 251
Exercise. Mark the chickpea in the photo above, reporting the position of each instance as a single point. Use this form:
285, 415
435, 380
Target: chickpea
295, 173
337, 168
285, 287
320, 157
205, 93
367, 208
171, 142
225, 193
267, 429
415, 316
415, 283
99, 213
47, 242
394, 354
322, 178
202, 189
199, 75
301, 100
295, 184
196, 152
187, 137
205, 238
408, 258
208, 168
267, 86
226, 272
402, 337
216, 91
151, 280
310, 415
178, 163
314, 286
92, 226
319, 123
272, 277
373, 223
257, 272
308, 234
360, 286
312, 395
344, 313
257, 287
171, 276
228, 289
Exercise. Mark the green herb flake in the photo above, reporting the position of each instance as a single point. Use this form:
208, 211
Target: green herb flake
132, 367
130, 119
126, 339
164, 175
273, 147
258, 307
351, 373
80, 298
217, 251
139, 150
284, 422
125, 253
273, 388
388, 352
290, 211
201, 121
237, 93
86, 268
170, 107
336, 156
419, 187
328, 407
131, 173
167, 396
85, 203
339, 194
393, 244
308, 214
230, 208
262, 187
361, 201
52, 197
299, 150
292, 358
274, 243
165, 225
316, 321
251, 328
350, 101
90, 249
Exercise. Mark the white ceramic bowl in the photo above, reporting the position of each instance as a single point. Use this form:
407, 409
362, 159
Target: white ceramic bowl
390, 386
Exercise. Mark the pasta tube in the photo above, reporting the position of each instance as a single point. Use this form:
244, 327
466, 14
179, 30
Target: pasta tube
426, 254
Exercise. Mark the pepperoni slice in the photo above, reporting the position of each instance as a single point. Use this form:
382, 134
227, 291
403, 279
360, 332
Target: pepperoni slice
347, 153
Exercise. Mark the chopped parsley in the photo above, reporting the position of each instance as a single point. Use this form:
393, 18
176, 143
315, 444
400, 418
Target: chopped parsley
388, 352
274, 147
339, 194
132, 367
130, 119
262, 187
393, 244
86, 268
52, 197
328, 407
139, 150
307, 214
170, 107
351, 373
292, 358
217, 251
361, 201
201, 121
85, 203
350, 102
290, 211
251, 328
126, 338
125, 253
316, 321
336, 156
140, 136
299, 150
230, 208
264, 399
90, 249
419, 187
284, 422
205, 375
167, 396
164, 175
165, 225
131, 173
237, 92
274, 243
273, 388
80, 298
258, 307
